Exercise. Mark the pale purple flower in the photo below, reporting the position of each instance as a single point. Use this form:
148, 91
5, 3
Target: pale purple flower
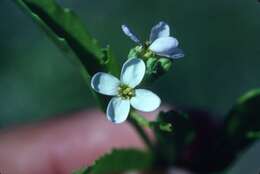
124, 92
160, 41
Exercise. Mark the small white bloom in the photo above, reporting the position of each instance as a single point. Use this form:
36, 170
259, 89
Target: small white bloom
160, 42
124, 91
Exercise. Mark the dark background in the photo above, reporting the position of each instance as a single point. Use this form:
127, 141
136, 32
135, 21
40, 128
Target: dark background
220, 39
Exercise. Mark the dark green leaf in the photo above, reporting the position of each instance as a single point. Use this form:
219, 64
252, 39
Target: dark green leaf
120, 161
240, 130
253, 135
81, 171
244, 118
67, 30
243, 122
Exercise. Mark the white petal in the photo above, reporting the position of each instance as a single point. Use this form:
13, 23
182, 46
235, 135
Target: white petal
105, 83
133, 72
160, 30
145, 100
130, 34
174, 53
163, 44
118, 110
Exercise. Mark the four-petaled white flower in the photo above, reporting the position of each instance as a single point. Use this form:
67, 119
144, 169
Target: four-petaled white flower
160, 42
124, 91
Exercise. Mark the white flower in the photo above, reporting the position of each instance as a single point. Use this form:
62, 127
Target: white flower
124, 91
160, 42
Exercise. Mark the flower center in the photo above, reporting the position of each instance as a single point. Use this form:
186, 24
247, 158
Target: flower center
126, 92
147, 44
146, 52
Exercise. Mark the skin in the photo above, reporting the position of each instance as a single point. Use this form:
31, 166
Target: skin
62, 145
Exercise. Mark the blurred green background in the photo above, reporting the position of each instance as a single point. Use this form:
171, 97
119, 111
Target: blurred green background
220, 39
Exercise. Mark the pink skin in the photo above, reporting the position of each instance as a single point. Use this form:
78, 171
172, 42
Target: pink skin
62, 145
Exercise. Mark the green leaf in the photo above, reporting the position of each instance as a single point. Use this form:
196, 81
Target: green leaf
253, 135
243, 122
120, 161
242, 125
84, 170
239, 131
244, 118
66, 29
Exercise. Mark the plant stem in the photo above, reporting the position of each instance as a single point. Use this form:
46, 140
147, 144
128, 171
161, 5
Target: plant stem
134, 120
141, 120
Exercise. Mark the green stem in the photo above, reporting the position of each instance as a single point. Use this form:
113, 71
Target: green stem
138, 122
141, 120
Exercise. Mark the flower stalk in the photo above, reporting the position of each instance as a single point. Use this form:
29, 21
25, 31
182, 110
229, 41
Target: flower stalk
135, 122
